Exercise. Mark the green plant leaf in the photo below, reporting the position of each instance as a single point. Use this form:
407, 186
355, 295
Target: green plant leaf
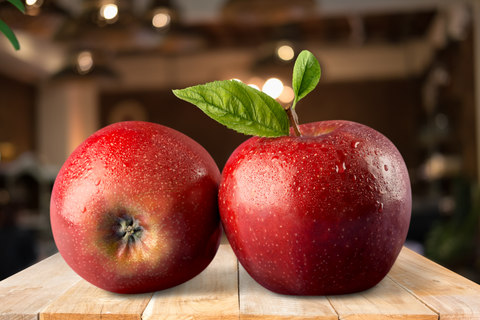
9, 34
306, 74
239, 107
18, 4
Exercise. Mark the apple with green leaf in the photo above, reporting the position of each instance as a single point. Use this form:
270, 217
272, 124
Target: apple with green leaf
318, 209
134, 208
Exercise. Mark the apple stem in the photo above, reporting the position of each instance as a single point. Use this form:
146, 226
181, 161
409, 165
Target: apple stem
292, 117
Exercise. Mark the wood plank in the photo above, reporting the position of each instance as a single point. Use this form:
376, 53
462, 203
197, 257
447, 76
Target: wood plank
257, 302
445, 292
213, 294
25, 294
86, 301
387, 300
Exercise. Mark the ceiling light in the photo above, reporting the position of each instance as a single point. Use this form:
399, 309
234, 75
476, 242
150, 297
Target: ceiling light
84, 62
161, 20
273, 87
285, 53
109, 11
32, 7
33, 3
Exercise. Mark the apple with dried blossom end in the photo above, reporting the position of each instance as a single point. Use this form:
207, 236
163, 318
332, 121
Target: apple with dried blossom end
134, 208
324, 213
322, 208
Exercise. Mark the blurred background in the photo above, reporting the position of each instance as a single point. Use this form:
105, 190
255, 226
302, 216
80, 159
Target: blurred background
407, 68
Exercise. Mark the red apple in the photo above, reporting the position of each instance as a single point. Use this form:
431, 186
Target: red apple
134, 208
321, 214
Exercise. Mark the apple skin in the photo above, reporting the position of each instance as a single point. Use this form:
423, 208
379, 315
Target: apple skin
322, 214
153, 178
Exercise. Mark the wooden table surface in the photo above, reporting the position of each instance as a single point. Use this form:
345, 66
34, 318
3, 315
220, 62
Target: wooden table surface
415, 288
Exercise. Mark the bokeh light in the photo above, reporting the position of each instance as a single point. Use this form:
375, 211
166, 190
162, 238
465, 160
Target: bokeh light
285, 53
84, 62
109, 11
287, 95
161, 20
273, 87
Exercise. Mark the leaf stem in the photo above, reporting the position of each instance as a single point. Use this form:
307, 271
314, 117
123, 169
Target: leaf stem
292, 117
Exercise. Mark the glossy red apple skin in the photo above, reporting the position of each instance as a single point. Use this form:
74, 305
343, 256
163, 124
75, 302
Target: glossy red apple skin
159, 177
322, 214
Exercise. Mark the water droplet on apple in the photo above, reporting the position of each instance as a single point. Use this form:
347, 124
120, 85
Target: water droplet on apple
340, 168
386, 167
380, 207
97, 181
84, 209
355, 144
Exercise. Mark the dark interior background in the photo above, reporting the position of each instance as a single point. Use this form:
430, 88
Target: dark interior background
445, 217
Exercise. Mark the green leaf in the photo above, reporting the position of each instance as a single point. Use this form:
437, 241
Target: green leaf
306, 74
18, 4
9, 34
239, 107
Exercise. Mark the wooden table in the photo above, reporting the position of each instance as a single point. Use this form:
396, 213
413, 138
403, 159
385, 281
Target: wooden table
415, 288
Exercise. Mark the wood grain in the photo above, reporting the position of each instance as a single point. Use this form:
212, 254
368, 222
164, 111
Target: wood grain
85, 301
445, 292
213, 294
256, 302
25, 294
387, 300
415, 288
